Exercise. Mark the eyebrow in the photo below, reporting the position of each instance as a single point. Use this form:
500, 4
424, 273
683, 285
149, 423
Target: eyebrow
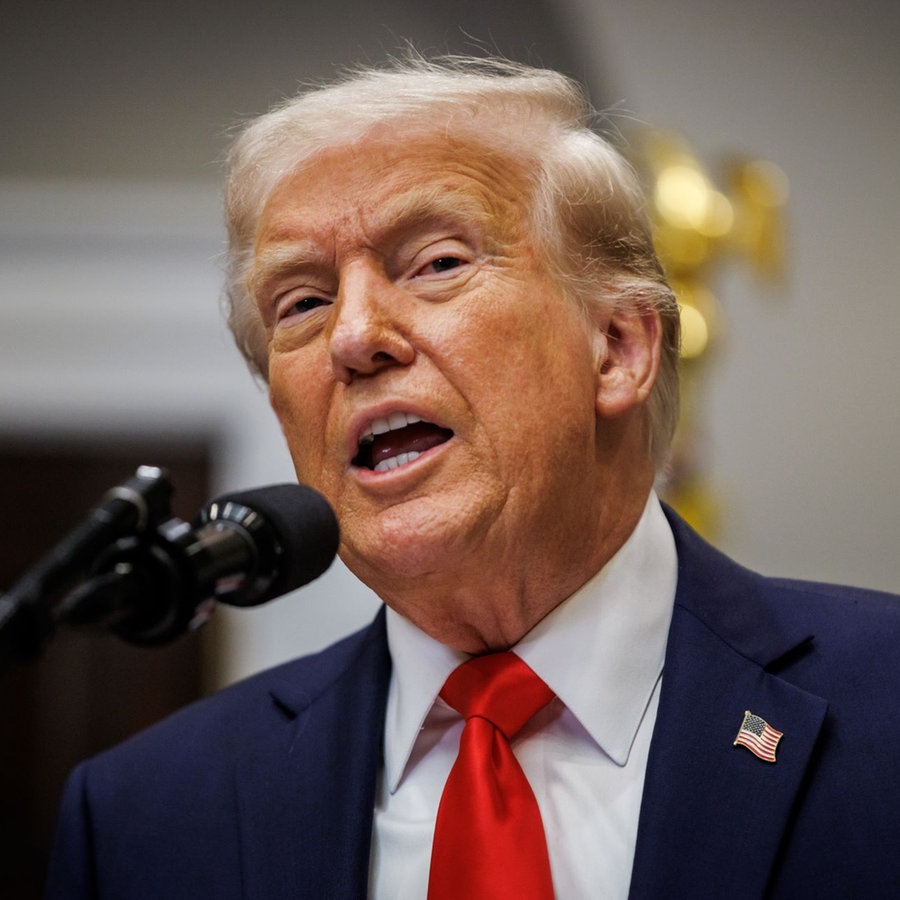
434, 203
280, 260
419, 207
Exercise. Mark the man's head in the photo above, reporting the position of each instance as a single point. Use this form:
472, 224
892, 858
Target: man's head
586, 204
448, 282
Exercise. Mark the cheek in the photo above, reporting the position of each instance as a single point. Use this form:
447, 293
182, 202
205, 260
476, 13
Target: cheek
301, 411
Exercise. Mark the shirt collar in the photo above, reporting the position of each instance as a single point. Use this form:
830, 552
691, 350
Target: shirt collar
615, 625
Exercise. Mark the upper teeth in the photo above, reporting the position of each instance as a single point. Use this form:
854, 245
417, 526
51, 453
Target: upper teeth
391, 423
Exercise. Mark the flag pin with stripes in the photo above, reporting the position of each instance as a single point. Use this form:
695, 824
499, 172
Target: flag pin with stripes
758, 736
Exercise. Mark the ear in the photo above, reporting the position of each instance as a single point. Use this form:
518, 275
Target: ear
627, 348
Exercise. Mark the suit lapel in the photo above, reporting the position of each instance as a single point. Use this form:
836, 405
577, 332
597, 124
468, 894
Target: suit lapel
306, 795
713, 815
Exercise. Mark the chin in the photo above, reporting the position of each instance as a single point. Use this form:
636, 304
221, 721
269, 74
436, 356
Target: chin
390, 564
437, 534
398, 556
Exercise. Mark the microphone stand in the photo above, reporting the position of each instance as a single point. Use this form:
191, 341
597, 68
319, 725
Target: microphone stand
28, 614
146, 589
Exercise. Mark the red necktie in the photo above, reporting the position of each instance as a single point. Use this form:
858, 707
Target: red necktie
489, 841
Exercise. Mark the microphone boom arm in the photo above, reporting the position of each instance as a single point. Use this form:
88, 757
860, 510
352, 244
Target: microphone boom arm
27, 617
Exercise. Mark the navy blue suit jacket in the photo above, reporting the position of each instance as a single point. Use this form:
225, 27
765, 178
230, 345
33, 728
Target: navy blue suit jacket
266, 790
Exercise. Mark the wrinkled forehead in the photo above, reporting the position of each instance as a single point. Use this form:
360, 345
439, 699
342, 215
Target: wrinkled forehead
401, 177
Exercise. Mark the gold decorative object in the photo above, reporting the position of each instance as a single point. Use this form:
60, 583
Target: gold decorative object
698, 226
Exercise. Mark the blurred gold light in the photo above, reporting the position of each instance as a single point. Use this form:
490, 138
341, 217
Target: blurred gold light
695, 227
682, 196
760, 191
694, 332
681, 248
765, 182
720, 215
698, 313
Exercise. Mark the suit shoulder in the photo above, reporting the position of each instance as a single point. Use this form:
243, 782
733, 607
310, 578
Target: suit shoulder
838, 598
830, 628
854, 631
229, 721
714, 581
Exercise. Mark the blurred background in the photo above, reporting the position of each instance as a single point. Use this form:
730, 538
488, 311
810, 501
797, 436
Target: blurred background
113, 121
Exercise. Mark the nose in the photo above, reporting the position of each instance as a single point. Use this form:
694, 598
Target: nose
366, 335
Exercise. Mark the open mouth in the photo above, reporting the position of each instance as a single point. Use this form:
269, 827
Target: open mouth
397, 440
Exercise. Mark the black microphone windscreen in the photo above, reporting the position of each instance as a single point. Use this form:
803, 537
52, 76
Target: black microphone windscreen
304, 526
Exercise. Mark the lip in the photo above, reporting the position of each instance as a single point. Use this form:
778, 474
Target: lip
362, 421
395, 478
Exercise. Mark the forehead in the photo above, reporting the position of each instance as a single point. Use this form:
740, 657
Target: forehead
394, 181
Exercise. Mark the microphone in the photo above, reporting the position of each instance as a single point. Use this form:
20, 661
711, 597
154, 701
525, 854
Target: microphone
247, 548
293, 533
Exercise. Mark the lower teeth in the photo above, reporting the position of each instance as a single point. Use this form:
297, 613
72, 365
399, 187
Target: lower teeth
394, 462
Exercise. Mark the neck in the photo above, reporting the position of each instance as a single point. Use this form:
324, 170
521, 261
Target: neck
488, 606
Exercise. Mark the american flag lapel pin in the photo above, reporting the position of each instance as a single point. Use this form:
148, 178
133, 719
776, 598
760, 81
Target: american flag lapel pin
758, 736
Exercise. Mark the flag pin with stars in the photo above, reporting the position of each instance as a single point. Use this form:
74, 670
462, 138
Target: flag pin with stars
758, 736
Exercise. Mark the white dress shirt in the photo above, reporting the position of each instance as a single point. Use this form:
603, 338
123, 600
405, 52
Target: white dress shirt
585, 754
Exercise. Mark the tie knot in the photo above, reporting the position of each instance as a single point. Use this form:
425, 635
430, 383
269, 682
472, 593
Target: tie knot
498, 687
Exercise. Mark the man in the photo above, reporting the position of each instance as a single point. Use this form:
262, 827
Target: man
448, 283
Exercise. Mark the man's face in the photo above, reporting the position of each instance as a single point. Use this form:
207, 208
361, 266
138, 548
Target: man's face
430, 378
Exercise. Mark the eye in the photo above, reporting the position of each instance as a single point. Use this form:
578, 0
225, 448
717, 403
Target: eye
306, 304
439, 263
300, 306
445, 263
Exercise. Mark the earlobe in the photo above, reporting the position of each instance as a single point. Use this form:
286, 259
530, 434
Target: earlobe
627, 361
